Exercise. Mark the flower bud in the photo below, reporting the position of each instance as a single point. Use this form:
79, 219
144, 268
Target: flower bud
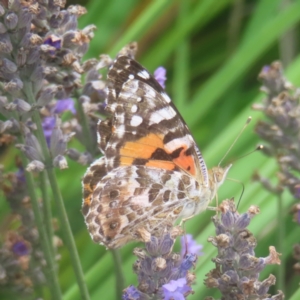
35, 166
90, 64
58, 143
46, 95
89, 30
30, 152
77, 10
227, 219
81, 158
158, 264
21, 57
42, 13
243, 221
13, 86
11, 21
68, 38
2, 28
32, 142
56, 20
60, 162
7, 66
37, 74
105, 61
166, 244
152, 247
5, 126
35, 39
22, 106
25, 18
2, 11
25, 42
72, 23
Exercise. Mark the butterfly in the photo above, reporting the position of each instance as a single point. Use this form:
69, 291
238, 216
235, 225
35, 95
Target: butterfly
151, 173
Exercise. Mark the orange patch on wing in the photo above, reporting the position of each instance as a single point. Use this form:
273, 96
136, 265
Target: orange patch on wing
126, 161
87, 189
185, 162
142, 148
161, 164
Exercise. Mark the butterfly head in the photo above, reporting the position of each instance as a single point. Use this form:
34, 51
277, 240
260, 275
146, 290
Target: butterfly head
218, 175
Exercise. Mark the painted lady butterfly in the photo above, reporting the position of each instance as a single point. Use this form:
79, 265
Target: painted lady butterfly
152, 172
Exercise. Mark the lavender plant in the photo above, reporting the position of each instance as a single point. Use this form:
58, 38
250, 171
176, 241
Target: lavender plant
41, 68
281, 133
163, 274
237, 270
22, 261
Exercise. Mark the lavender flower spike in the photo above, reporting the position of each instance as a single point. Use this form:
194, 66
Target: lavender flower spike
237, 269
161, 273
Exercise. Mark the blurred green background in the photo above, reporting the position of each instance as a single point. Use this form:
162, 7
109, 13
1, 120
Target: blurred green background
213, 51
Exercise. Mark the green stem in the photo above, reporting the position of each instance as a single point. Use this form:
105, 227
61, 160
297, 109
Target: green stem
281, 235
47, 208
50, 270
63, 218
87, 135
119, 273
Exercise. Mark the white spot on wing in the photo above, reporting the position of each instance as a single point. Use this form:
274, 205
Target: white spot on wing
144, 74
120, 131
165, 113
131, 85
98, 138
134, 108
177, 143
166, 97
136, 121
149, 92
98, 133
113, 107
131, 76
120, 117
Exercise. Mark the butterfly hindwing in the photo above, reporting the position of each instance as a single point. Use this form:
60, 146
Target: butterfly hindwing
134, 197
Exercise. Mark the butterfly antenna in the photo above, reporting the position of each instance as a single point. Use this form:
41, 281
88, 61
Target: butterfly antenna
243, 190
229, 149
258, 148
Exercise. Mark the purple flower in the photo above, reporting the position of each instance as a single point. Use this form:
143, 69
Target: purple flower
49, 122
160, 76
20, 175
131, 293
48, 125
188, 261
266, 69
189, 245
63, 105
20, 248
176, 289
53, 41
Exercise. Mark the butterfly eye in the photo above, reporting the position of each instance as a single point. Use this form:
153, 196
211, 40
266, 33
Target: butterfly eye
218, 174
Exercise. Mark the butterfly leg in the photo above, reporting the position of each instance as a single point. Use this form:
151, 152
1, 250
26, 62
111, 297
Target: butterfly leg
212, 208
